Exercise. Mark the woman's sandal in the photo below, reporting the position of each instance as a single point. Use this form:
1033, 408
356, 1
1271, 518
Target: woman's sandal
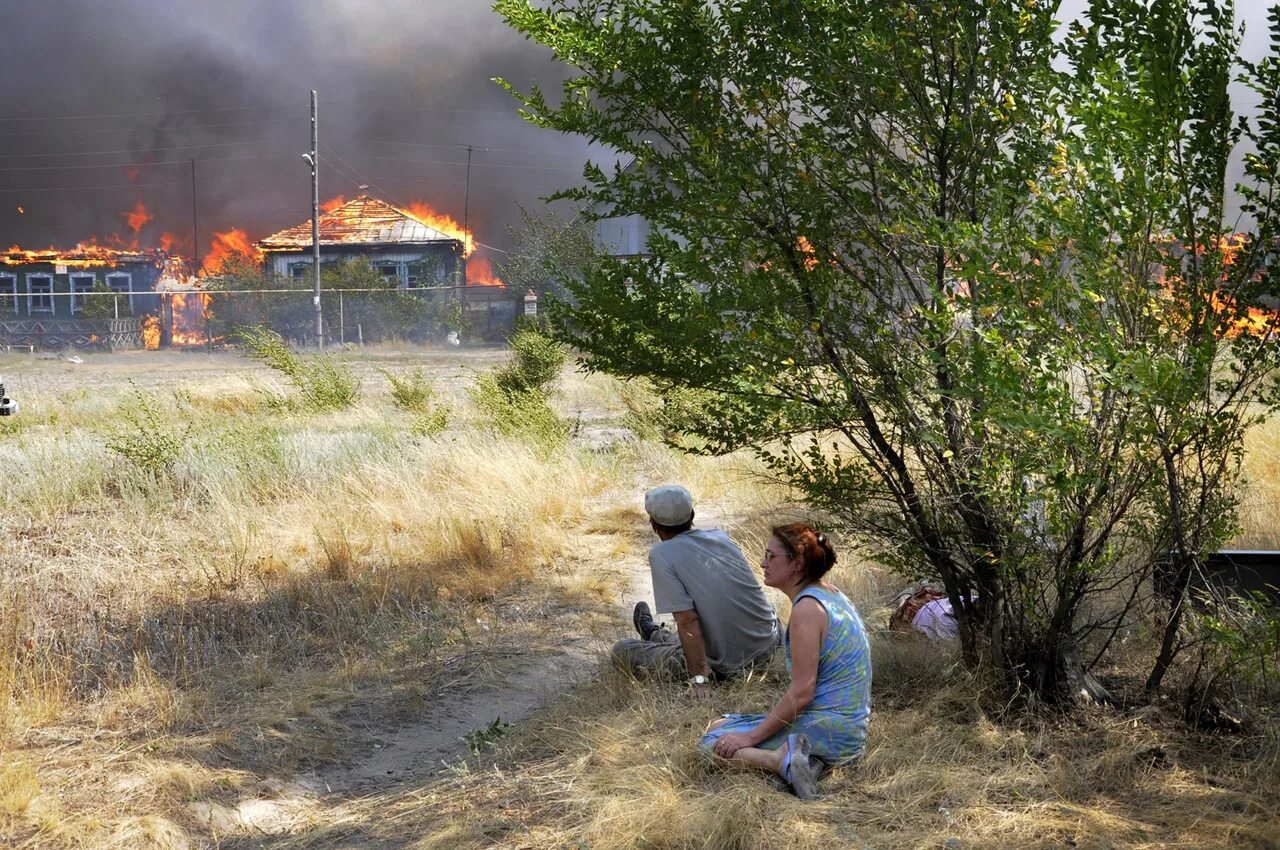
798, 769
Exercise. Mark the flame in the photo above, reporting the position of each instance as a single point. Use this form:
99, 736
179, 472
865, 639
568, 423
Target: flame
137, 217
82, 256
167, 241
132, 173
151, 332
480, 272
445, 224
332, 204
226, 245
189, 318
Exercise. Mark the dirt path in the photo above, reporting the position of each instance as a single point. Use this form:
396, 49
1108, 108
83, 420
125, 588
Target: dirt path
417, 752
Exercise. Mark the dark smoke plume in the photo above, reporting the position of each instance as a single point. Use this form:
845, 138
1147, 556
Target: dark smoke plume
103, 105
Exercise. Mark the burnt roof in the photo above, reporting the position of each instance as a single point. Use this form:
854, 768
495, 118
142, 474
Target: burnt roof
83, 256
362, 221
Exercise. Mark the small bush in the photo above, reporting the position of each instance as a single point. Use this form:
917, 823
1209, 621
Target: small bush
537, 362
146, 439
410, 391
520, 413
324, 383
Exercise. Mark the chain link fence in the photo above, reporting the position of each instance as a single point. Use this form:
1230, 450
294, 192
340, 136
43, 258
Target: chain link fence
109, 321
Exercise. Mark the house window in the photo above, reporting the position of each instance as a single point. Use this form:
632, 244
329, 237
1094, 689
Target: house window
39, 293
81, 286
122, 283
8, 294
389, 271
298, 271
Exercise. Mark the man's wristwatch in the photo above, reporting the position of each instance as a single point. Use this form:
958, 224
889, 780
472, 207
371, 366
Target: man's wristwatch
699, 680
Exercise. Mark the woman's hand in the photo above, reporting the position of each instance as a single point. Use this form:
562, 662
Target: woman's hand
728, 744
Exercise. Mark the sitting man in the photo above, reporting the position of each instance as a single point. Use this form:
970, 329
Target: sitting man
723, 622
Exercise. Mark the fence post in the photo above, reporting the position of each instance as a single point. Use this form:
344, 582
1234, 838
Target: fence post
360, 331
342, 322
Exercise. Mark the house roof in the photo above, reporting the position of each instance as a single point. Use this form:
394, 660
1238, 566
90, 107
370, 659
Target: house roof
362, 221
82, 256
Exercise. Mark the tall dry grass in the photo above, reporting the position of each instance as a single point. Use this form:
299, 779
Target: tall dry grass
175, 636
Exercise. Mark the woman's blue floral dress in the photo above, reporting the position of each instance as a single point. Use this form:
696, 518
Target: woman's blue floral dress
836, 720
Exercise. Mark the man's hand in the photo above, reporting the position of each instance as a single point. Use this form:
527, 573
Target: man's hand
729, 744
701, 692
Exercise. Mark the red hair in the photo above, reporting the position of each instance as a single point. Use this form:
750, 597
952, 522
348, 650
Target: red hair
811, 546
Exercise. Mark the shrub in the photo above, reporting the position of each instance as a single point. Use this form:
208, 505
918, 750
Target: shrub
515, 396
323, 383
537, 362
148, 440
521, 413
410, 391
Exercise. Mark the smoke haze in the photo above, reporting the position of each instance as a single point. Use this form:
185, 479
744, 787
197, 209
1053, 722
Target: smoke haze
103, 105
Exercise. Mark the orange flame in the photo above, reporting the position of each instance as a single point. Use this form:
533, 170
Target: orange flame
227, 245
332, 204
151, 332
167, 241
137, 217
480, 272
189, 312
445, 224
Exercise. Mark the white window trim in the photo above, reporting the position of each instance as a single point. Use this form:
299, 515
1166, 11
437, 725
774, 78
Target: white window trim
76, 302
128, 284
13, 282
31, 297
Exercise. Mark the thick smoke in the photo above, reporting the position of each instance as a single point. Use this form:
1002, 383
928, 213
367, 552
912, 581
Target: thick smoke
106, 104
103, 105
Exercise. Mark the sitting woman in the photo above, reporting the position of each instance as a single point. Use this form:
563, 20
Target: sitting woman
822, 718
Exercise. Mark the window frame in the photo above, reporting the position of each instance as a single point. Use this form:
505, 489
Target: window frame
11, 293
77, 303
128, 285
31, 296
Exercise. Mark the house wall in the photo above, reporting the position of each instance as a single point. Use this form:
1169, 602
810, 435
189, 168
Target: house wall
45, 290
627, 236
430, 265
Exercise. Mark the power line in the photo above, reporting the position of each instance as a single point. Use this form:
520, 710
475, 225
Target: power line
452, 162
134, 185
135, 129
121, 114
183, 163
143, 150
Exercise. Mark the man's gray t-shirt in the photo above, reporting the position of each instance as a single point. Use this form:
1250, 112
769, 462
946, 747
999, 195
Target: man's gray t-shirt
705, 571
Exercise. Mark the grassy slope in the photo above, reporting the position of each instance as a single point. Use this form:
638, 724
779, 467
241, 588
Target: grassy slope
189, 636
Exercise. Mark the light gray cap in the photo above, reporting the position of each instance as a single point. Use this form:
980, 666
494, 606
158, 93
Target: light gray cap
669, 504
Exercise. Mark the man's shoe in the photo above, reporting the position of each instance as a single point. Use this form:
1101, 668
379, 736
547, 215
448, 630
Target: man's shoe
642, 618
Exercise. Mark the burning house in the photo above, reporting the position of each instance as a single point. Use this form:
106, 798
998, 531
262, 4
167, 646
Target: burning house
44, 295
401, 246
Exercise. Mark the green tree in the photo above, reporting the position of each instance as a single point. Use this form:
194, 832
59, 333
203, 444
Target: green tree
962, 285
545, 250
105, 303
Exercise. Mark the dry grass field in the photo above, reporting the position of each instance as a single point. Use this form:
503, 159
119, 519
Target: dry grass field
208, 600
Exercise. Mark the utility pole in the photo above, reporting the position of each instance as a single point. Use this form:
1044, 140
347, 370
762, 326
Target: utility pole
313, 159
195, 224
466, 204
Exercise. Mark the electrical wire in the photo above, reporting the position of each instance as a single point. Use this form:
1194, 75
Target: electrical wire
183, 162
143, 150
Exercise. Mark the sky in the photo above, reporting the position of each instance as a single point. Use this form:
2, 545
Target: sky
103, 105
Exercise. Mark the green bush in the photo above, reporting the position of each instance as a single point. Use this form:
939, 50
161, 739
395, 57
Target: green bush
537, 362
519, 413
322, 382
514, 397
410, 391
148, 440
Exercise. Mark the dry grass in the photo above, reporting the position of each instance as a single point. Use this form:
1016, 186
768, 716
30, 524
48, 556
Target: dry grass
176, 641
